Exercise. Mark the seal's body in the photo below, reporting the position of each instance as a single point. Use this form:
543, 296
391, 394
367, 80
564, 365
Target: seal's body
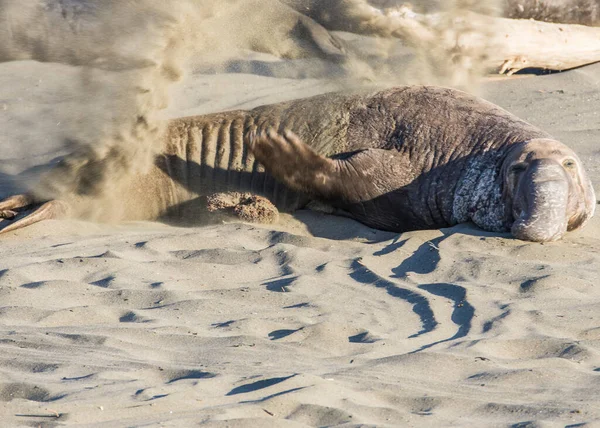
400, 159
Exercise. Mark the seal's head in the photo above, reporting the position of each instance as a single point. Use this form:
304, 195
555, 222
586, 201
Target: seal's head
546, 190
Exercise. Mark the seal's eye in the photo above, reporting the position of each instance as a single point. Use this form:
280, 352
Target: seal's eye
518, 168
569, 163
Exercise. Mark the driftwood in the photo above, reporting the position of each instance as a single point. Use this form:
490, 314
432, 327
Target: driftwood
502, 44
533, 44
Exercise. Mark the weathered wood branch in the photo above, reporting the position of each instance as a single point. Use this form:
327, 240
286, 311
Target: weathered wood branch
533, 44
504, 45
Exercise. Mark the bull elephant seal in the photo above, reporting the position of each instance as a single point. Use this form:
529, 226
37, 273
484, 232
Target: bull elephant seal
406, 158
537, 190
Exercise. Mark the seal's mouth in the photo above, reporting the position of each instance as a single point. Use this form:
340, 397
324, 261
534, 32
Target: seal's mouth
527, 230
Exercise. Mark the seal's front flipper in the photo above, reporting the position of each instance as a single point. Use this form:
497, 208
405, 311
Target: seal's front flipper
294, 163
14, 212
349, 178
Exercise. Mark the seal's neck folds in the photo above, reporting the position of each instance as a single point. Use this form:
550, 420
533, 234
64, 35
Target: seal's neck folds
478, 197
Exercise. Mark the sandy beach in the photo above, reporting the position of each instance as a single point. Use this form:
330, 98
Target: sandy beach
315, 321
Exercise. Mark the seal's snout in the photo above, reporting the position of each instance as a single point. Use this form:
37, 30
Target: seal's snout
548, 192
541, 198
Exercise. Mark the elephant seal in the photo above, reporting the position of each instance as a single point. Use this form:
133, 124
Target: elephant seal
405, 158
539, 192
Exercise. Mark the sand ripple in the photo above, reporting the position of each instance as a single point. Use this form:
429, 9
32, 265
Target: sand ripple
240, 323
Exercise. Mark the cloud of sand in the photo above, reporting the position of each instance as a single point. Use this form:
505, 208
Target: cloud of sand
448, 40
462, 38
131, 51
428, 41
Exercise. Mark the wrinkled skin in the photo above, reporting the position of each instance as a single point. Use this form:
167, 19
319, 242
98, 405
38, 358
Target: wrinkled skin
547, 189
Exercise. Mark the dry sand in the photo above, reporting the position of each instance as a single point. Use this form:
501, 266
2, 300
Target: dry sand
317, 321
